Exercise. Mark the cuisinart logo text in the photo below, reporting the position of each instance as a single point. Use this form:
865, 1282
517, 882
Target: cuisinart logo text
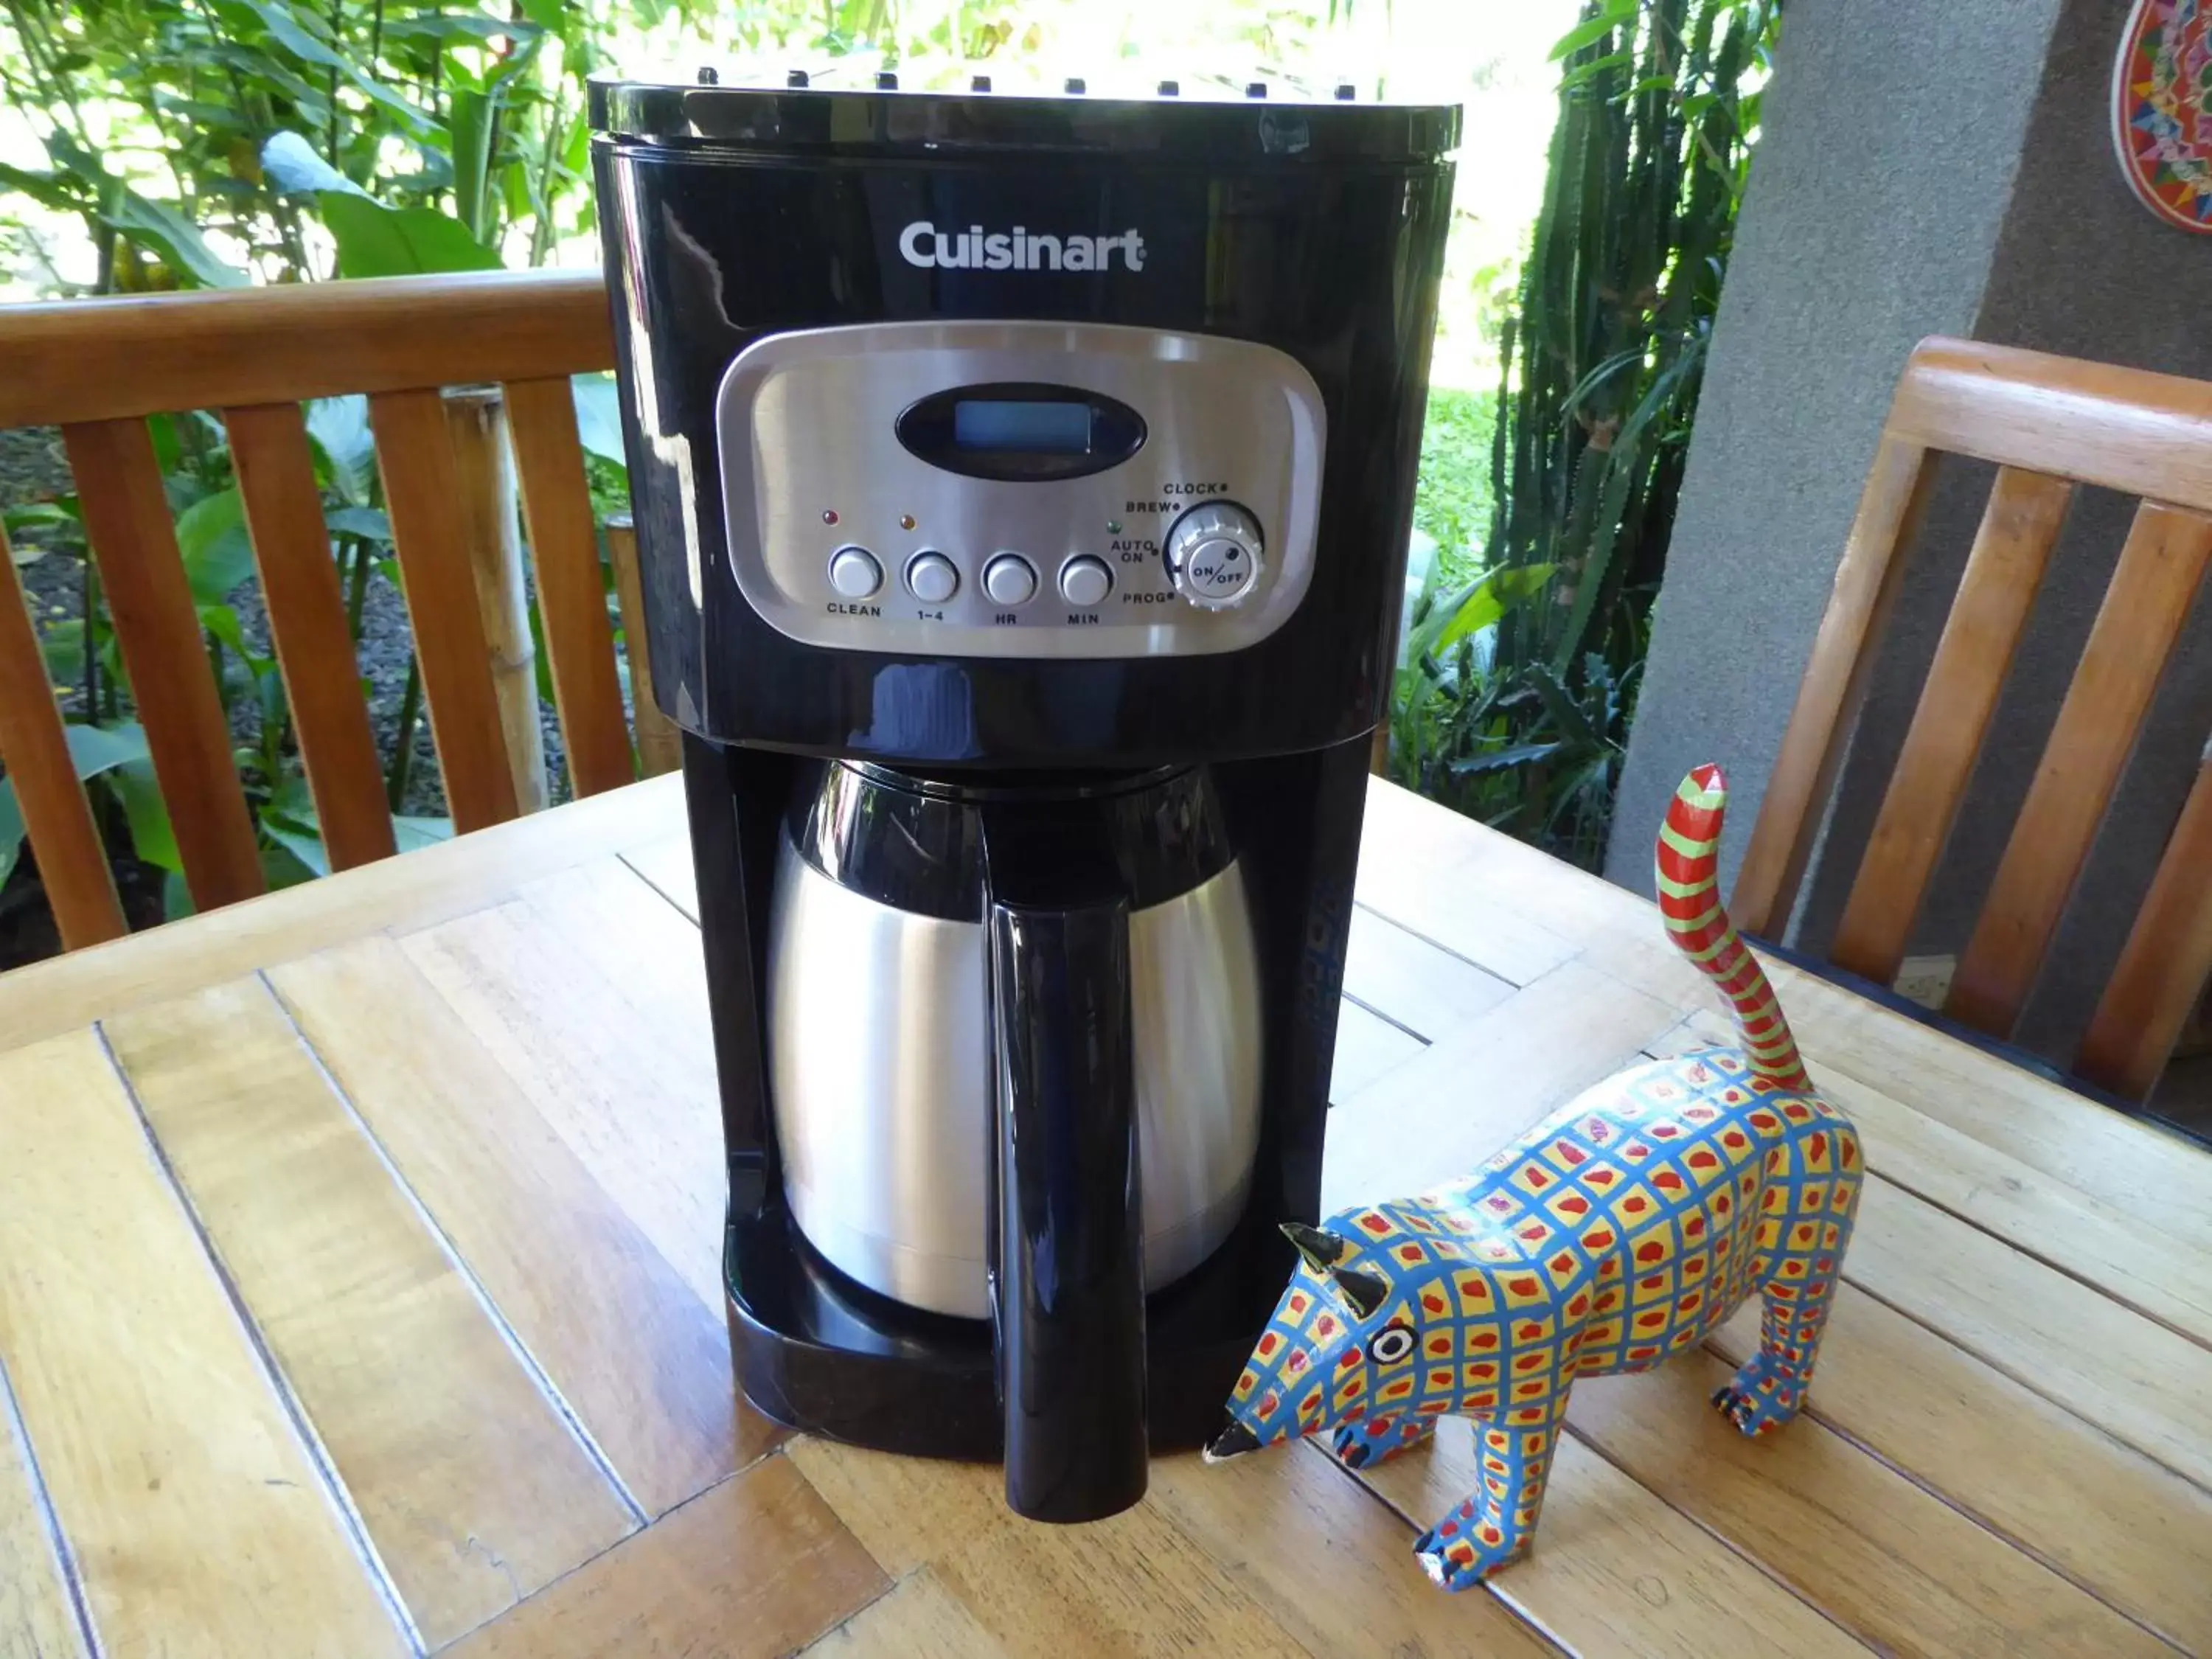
923, 244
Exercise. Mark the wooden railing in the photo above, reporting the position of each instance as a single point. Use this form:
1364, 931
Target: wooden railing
98, 368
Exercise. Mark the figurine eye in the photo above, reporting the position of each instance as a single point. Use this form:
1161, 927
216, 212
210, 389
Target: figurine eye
1390, 1345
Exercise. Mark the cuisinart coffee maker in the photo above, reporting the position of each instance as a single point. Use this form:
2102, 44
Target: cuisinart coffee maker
1022, 485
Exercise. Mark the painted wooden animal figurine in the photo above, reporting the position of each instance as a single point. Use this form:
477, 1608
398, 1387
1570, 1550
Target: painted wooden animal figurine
1615, 1234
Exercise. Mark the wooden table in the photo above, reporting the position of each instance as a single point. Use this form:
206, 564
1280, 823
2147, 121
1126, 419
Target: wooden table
359, 1295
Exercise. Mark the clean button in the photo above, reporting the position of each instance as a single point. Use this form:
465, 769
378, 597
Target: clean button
1010, 579
1085, 582
854, 573
930, 578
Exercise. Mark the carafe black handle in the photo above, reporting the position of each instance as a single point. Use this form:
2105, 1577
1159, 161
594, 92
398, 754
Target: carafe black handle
1068, 1275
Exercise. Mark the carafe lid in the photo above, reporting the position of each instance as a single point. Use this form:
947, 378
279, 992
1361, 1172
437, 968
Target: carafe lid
1205, 125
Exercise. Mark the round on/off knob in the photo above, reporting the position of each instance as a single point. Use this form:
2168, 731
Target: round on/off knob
1085, 582
1214, 555
931, 578
853, 573
1010, 580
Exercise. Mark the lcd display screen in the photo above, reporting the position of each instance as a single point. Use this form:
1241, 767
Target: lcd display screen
1024, 429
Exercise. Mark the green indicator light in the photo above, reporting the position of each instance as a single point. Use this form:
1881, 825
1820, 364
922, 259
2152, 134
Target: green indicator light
1113, 526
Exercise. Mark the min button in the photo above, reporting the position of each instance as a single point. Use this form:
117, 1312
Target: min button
1085, 582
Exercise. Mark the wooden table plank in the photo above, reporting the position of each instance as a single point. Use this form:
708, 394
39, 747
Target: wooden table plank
590, 991
472, 1486
2129, 1530
2139, 1169
37, 1616
757, 1565
1369, 1048
665, 864
2131, 1166
1335, 1568
1615, 1570
1439, 1115
1410, 858
1131, 1583
195, 1515
643, 1365
1420, 986
2137, 1381
65, 992
1881, 1556
2147, 1269
919, 1618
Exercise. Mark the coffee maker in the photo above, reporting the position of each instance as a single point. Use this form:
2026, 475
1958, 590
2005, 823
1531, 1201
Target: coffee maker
1022, 486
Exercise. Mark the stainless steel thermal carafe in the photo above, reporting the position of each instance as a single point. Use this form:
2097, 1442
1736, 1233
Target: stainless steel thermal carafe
883, 1057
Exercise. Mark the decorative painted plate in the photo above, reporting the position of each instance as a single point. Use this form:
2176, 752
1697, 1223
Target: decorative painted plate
2162, 109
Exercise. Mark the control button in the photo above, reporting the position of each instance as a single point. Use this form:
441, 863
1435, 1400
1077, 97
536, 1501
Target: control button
930, 578
854, 573
1085, 582
1214, 555
1010, 579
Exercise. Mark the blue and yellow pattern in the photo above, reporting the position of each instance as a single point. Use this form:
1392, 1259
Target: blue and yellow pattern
1617, 1233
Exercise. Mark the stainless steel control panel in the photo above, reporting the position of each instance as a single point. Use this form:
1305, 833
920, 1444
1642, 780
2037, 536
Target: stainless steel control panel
1193, 534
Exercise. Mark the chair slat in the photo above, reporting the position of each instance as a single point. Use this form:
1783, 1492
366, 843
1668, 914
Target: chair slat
308, 619
126, 518
564, 551
34, 749
2166, 963
2150, 595
1835, 685
2003, 572
660, 741
420, 491
2128, 430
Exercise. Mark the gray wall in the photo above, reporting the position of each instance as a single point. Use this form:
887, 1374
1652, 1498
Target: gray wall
1883, 208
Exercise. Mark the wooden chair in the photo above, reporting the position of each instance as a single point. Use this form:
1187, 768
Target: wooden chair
2049, 423
98, 368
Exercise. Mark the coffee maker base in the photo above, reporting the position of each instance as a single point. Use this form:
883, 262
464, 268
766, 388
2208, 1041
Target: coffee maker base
817, 1352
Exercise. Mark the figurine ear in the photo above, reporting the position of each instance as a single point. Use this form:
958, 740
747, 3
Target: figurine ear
1322, 1250
1363, 1292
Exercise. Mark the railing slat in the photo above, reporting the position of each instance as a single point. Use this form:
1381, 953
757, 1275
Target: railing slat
2151, 591
420, 491
308, 620
2003, 572
571, 597
660, 741
126, 518
34, 748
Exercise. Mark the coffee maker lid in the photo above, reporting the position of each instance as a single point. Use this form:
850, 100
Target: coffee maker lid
1207, 124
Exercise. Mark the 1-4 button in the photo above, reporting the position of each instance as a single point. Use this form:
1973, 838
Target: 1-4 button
930, 578
1085, 582
853, 573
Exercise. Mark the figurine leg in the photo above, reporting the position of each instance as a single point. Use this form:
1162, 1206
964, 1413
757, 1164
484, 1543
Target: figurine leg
1494, 1525
1769, 1390
1377, 1439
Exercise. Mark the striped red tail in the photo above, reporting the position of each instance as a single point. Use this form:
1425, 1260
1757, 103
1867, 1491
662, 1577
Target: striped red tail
1690, 902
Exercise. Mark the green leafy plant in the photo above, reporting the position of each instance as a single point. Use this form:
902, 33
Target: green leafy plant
1602, 361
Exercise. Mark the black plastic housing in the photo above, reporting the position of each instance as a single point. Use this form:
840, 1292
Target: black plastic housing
1318, 229
729, 214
